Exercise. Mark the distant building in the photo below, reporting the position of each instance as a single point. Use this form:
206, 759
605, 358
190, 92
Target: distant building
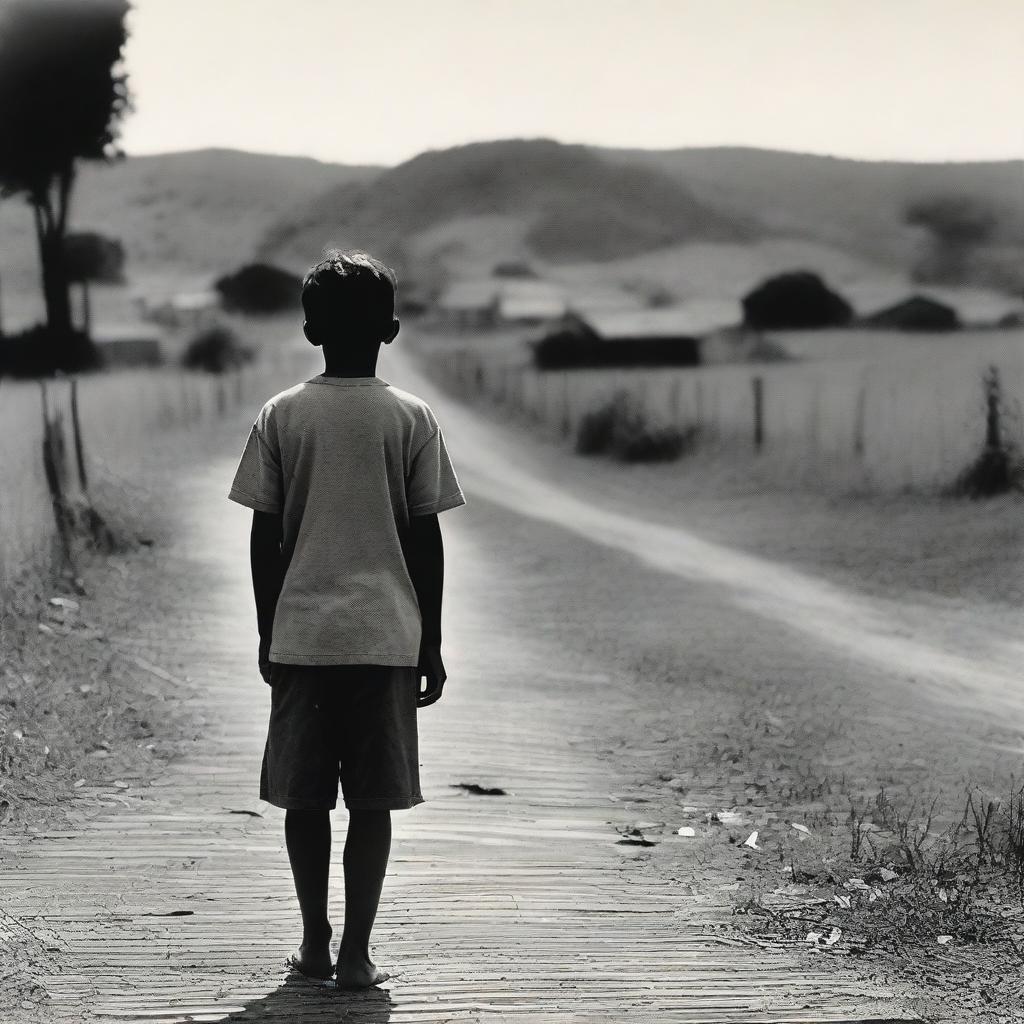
689, 320
531, 303
584, 301
909, 307
981, 307
670, 336
129, 345
916, 313
468, 305
193, 310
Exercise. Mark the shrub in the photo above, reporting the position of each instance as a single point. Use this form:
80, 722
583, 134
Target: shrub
216, 350
795, 299
621, 429
40, 352
999, 467
260, 288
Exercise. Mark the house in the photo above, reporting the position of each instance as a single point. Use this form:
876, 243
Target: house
915, 313
129, 345
981, 307
530, 302
669, 336
896, 305
908, 307
194, 310
594, 300
468, 305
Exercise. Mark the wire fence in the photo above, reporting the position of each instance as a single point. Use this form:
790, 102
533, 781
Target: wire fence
889, 425
59, 438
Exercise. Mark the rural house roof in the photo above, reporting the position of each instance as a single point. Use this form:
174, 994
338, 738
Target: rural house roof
688, 320
469, 295
973, 306
531, 300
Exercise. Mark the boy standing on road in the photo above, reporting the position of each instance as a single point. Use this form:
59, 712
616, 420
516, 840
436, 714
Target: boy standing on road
345, 475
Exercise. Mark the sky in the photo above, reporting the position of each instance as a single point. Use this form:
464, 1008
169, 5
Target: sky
378, 82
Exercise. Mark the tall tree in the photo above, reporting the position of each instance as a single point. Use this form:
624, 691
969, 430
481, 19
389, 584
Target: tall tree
63, 93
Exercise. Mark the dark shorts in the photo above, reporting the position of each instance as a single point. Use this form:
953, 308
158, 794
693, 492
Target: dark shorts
350, 723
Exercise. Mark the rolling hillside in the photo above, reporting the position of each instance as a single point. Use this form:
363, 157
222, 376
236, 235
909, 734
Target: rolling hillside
571, 204
855, 205
197, 212
685, 220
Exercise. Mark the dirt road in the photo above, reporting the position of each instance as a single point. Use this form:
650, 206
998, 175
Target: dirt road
599, 668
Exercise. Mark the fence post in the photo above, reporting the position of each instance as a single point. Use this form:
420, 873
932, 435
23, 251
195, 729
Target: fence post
76, 424
673, 401
758, 386
858, 422
993, 401
53, 451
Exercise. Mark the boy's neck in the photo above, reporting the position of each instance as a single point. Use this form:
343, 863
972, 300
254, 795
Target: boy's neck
364, 366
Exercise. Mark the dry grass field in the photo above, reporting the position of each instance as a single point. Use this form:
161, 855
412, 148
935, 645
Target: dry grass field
866, 411
122, 414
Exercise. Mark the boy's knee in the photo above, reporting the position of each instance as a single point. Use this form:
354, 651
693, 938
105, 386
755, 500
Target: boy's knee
305, 819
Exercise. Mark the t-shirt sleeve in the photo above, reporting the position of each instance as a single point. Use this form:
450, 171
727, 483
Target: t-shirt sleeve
257, 483
433, 486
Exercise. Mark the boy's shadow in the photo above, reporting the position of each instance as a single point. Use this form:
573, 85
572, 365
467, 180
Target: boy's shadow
299, 1000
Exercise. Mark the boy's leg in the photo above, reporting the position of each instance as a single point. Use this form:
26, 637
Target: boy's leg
367, 848
308, 837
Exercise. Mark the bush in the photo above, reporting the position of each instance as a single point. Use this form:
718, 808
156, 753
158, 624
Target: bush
216, 350
999, 467
794, 300
621, 430
40, 352
260, 288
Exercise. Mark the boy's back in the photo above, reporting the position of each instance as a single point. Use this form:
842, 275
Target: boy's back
346, 461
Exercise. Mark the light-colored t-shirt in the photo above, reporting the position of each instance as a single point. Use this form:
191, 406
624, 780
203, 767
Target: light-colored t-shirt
346, 461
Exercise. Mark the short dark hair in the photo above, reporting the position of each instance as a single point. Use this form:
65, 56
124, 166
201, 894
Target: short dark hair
349, 287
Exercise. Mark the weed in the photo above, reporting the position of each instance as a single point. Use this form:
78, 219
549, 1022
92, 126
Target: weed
999, 467
621, 428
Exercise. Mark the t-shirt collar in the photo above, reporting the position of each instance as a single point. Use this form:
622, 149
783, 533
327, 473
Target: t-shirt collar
321, 378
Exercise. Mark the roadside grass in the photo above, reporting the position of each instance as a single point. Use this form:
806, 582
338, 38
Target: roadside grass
940, 901
622, 428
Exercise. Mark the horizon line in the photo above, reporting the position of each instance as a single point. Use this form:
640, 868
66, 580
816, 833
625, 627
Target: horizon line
953, 161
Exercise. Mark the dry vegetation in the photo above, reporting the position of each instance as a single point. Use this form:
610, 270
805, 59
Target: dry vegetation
877, 411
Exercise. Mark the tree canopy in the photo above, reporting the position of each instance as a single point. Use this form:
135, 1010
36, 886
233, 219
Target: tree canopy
62, 95
62, 91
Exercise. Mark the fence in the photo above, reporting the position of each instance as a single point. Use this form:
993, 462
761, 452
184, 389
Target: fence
59, 437
895, 424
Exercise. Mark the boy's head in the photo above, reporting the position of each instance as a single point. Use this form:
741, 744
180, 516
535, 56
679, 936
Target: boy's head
348, 299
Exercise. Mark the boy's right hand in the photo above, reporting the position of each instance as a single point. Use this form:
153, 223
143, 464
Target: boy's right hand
432, 667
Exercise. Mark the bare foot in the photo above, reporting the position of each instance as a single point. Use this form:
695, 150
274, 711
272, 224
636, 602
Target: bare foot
313, 958
357, 972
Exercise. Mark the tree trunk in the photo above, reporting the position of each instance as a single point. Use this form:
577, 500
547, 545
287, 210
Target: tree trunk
56, 292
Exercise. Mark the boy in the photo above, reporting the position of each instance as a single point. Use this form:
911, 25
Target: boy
345, 475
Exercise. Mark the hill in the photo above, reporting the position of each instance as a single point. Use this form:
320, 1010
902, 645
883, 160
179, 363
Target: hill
569, 202
855, 205
682, 220
200, 212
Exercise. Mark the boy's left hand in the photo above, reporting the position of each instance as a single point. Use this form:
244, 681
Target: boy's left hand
431, 666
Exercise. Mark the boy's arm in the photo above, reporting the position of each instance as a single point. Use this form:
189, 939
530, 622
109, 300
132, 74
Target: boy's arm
424, 556
267, 576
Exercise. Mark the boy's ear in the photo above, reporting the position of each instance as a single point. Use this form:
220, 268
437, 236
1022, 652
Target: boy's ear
393, 332
308, 332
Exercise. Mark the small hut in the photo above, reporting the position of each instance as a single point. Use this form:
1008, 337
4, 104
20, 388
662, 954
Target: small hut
468, 305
